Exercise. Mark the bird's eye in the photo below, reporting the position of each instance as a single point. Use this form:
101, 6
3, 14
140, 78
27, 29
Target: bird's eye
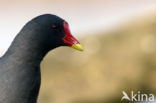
54, 27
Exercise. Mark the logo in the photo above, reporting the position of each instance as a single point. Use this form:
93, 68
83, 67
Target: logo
138, 97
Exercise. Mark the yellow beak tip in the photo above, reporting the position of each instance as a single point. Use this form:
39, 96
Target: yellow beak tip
78, 47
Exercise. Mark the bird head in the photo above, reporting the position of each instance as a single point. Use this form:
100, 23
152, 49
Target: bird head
55, 31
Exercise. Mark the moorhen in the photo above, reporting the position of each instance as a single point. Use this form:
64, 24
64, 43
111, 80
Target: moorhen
20, 75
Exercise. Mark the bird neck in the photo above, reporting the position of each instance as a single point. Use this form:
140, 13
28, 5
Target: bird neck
26, 50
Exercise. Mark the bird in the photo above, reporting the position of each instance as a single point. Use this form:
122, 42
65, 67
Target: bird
20, 75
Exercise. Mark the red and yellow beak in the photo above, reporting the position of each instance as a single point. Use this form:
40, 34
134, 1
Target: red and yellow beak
69, 40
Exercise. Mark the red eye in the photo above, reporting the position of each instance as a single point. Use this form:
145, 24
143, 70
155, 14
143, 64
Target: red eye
54, 27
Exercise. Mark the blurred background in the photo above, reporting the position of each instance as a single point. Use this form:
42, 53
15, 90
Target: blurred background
119, 37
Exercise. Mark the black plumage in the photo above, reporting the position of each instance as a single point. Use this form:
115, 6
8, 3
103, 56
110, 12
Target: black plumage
20, 66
